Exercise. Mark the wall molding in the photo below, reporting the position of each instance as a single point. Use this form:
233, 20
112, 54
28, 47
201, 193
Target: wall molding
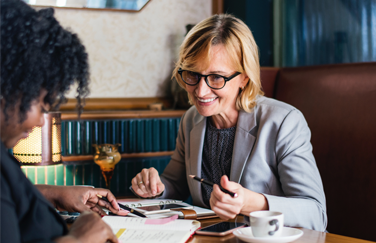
107, 115
117, 103
82, 158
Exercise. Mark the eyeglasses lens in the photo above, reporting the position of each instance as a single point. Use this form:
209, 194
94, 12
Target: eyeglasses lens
192, 78
216, 81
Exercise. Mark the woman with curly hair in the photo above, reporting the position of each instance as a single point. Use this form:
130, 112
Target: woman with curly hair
39, 62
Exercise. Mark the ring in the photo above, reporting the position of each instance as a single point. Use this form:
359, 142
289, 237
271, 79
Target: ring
140, 182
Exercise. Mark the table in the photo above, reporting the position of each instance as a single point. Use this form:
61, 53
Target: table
309, 236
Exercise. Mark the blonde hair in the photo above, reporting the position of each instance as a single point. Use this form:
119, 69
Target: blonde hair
238, 40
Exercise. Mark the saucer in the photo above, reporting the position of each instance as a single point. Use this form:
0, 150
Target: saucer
288, 235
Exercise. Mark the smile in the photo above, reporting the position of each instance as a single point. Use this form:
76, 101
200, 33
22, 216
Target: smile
206, 100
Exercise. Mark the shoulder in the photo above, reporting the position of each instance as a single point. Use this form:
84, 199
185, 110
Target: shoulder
269, 108
268, 104
270, 114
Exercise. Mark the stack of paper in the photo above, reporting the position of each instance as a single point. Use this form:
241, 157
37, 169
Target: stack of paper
141, 230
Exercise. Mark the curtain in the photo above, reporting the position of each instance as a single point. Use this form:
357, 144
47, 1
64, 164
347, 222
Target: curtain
318, 32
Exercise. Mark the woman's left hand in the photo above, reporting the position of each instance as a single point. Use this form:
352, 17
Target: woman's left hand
227, 207
81, 198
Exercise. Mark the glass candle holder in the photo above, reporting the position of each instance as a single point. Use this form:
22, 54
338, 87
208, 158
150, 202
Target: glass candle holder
107, 156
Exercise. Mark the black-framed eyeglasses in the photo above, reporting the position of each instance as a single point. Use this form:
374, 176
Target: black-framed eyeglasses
214, 81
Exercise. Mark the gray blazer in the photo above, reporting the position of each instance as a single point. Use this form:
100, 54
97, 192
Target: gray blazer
272, 155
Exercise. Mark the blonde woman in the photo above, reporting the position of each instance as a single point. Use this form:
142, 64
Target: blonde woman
254, 146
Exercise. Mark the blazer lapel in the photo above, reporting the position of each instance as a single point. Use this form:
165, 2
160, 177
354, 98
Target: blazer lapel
196, 143
243, 144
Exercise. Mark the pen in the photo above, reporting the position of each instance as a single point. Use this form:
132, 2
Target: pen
123, 207
209, 183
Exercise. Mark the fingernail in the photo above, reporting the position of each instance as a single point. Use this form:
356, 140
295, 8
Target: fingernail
153, 192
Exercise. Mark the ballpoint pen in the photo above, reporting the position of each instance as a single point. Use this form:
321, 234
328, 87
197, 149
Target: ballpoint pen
123, 207
209, 183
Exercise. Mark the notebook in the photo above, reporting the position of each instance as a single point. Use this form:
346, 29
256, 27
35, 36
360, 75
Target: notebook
141, 230
202, 213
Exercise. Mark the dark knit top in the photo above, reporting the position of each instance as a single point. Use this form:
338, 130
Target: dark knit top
216, 156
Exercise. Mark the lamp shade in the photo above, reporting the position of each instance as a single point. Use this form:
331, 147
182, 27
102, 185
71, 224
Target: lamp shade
43, 145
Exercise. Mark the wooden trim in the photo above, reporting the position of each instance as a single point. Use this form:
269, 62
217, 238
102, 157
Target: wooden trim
123, 156
117, 103
217, 6
102, 115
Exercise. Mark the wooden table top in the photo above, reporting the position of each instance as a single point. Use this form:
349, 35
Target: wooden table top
309, 236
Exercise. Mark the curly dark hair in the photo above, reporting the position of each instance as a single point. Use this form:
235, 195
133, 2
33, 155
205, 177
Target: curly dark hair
36, 53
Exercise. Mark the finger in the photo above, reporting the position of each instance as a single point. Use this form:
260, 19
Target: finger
110, 207
90, 204
80, 207
136, 189
112, 204
98, 210
154, 181
223, 201
160, 187
141, 182
146, 180
224, 181
221, 196
223, 214
140, 192
122, 212
136, 185
229, 185
229, 209
225, 211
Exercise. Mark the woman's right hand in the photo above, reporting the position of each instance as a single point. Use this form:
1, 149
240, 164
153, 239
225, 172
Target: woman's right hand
147, 183
89, 227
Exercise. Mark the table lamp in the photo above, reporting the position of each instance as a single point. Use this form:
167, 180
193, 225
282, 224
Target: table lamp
43, 145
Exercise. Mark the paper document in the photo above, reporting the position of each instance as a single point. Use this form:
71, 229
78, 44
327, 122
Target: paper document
139, 230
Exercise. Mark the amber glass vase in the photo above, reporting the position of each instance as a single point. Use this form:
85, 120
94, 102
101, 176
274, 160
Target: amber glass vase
107, 156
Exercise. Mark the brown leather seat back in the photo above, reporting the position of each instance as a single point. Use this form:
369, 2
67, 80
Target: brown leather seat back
339, 104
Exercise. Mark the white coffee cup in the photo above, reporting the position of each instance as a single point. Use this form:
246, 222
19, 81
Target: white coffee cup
266, 223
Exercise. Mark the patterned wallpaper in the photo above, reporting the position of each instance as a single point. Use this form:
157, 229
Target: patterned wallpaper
132, 54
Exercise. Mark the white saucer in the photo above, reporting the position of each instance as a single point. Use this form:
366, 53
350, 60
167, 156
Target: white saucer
288, 235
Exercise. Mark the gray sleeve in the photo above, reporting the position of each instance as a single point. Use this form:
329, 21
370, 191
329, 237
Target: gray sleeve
304, 201
174, 176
